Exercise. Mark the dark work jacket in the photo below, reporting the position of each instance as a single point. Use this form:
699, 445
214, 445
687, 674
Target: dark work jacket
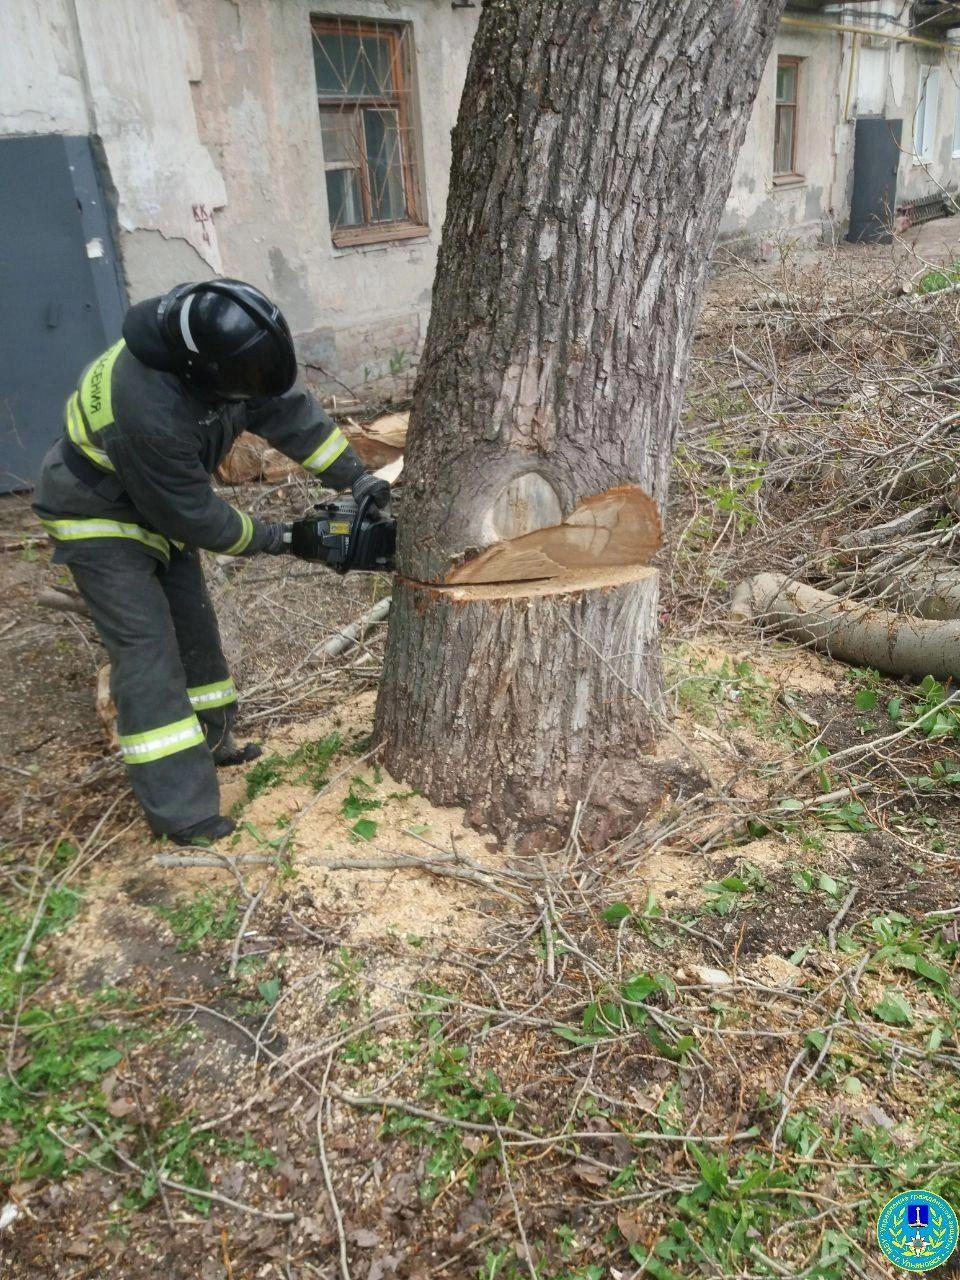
163, 444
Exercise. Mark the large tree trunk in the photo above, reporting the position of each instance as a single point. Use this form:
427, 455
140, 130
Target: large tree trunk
592, 158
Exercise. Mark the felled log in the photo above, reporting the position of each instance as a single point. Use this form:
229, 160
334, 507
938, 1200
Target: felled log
930, 590
848, 630
350, 635
252, 459
379, 442
891, 530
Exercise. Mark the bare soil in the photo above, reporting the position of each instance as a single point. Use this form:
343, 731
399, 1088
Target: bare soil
397, 983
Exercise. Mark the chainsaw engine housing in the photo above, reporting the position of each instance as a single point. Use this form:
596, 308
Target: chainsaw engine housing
346, 536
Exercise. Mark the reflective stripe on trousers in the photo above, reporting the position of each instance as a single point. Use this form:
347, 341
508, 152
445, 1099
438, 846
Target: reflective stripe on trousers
219, 694
167, 740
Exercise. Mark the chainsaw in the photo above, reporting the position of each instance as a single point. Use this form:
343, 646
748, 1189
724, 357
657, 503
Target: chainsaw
347, 536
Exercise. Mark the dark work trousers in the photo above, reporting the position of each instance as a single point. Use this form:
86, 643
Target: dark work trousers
168, 676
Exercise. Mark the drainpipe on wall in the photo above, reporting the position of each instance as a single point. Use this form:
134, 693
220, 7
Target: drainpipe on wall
88, 101
847, 28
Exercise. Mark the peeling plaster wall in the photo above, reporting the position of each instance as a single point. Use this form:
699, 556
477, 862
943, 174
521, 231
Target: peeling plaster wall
354, 310
903, 88
759, 208
207, 116
141, 60
41, 71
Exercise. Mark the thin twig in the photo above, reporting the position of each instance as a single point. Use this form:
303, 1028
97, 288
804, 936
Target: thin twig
518, 1218
328, 1180
235, 952
181, 1187
837, 920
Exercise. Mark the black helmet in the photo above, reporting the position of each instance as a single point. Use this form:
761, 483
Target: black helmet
228, 339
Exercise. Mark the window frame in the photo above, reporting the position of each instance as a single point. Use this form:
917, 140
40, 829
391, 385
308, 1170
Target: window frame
414, 223
925, 123
792, 174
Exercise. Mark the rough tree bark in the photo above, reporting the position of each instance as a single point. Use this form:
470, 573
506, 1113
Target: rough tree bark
592, 158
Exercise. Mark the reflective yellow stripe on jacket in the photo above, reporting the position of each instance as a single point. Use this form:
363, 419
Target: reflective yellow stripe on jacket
167, 740
93, 527
80, 436
246, 533
90, 408
328, 452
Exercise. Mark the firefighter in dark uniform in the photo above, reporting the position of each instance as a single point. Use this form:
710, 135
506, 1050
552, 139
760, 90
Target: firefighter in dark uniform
126, 496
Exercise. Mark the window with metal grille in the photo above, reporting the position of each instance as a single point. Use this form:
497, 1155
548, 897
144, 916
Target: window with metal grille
364, 73
785, 129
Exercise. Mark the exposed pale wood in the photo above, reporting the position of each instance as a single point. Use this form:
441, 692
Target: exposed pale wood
391, 429
529, 502
251, 458
617, 528
380, 442
391, 472
574, 582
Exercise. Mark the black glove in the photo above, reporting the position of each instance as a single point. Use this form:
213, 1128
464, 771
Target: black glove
378, 489
278, 539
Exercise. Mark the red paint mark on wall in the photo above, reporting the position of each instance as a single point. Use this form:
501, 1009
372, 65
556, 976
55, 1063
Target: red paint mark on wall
203, 216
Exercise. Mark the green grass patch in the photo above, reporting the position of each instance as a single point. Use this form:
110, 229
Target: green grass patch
309, 763
941, 278
205, 915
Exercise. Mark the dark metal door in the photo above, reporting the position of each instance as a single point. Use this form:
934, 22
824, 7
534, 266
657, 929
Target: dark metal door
876, 159
61, 299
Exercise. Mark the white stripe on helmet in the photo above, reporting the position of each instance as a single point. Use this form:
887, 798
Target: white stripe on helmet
185, 323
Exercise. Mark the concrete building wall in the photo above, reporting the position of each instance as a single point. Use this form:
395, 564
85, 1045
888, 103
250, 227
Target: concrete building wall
942, 172
842, 76
41, 72
207, 115
358, 311
208, 125
761, 206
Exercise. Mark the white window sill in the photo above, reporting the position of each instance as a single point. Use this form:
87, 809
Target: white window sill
782, 180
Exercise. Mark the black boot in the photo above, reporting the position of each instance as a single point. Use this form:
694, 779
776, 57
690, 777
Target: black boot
228, 751
239, 755
205, 832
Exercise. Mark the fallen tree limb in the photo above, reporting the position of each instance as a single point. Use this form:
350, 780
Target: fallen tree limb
393, 862
350, 635
848, 630
892, 529
932, 591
